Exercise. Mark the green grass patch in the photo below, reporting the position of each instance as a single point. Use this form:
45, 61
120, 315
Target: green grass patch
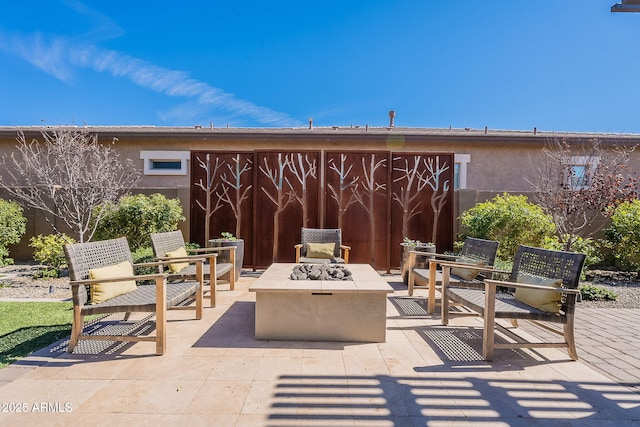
30, 326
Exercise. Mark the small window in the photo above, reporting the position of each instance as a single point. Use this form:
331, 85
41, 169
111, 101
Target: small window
580, 169
579, 176
165, 162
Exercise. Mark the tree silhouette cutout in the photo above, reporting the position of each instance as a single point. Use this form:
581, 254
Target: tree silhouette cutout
209, 187
439, 193
232, 192
279, 197
303, 169
366, 197
344, 194
408, 195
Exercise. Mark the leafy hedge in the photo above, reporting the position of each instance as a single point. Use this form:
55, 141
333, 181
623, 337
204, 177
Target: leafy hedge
13, 225
512, 220
137, 216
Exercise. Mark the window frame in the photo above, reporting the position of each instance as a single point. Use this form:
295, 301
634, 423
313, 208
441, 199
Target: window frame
589, 163
149, 157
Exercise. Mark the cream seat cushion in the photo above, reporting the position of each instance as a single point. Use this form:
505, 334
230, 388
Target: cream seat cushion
321, 250
177, 267
549, 301
101, 292
466, 273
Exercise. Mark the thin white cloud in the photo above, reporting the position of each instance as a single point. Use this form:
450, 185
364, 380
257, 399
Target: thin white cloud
174, 83
61, 56
40, 51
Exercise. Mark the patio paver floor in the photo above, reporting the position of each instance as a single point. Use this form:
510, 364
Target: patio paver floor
216, 373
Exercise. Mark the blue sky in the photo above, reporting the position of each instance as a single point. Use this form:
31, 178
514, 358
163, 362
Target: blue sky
558, 65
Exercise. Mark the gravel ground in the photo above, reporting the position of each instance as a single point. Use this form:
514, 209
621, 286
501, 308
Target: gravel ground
17, 281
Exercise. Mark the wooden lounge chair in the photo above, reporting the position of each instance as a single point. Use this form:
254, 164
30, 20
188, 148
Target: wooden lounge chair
320, 245
171, 241
534, 272
479, 250
99, 259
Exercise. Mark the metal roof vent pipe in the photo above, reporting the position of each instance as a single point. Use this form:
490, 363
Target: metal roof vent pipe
392, 116
310, 122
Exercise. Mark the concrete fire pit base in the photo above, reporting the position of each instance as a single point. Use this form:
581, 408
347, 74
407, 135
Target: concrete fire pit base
317, 310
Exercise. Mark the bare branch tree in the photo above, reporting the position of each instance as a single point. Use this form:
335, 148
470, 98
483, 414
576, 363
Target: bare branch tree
235, 183
366, 197
210, 188
281, 199
438, 194
67, 176
344, 195
578, 184
408, 194
303, 169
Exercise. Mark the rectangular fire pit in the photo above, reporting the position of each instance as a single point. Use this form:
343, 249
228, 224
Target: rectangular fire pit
321, 310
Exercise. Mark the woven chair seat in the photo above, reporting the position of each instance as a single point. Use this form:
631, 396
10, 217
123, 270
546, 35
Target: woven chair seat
423, 273
507, 307
169, 241
189, 272
482, 250
143, 299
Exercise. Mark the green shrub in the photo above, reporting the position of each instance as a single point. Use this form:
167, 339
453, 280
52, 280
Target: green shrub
49, 249
596, 293
137, 216
13, 225
623, 235
591, 248
509, 219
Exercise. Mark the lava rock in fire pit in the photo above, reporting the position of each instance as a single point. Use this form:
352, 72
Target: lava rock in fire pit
320, 272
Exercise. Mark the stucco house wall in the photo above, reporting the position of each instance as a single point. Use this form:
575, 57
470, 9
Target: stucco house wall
498, 161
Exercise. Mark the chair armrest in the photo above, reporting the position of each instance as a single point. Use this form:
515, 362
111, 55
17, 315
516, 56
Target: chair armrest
116, 279
489, 268
216, 249
162, 261
433, 254
168, 260
495, 283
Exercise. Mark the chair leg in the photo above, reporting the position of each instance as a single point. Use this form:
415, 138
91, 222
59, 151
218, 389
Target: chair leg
161, 315
431, 302
488, 332
76, 328
444, 306
569, 337
200, 290
232, 273
213, 281
410, 277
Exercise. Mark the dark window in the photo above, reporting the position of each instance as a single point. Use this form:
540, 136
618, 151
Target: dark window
579, 176
166, 164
